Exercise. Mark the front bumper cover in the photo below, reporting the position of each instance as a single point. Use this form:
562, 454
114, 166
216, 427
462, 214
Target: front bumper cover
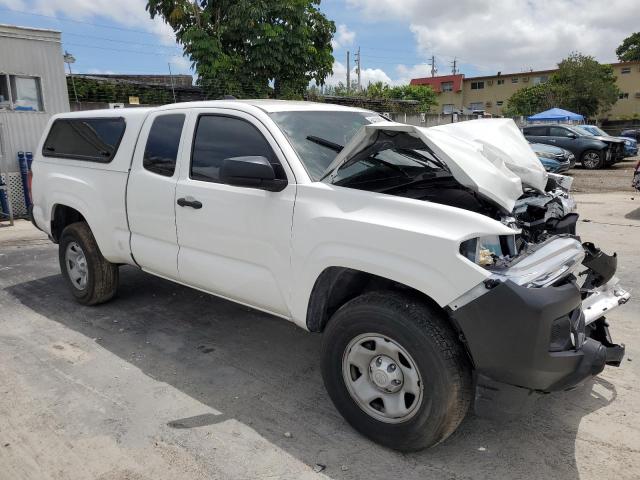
508, 332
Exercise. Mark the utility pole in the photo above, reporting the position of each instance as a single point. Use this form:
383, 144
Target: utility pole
358, 68
348, 73
434, 70
69, 59
454, 65
172, 87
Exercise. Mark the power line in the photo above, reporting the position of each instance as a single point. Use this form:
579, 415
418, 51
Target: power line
78, 21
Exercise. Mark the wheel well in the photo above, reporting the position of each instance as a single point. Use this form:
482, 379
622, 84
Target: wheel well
63, 216
337, 285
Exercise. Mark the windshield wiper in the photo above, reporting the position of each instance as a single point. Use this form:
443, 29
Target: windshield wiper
325, 143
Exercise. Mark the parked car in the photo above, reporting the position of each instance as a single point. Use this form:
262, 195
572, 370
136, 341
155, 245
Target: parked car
630, 144
636, 177
436, 262
631, 133
553, 159
592, 152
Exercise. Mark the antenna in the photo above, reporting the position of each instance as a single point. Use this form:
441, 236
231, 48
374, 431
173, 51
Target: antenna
454, 66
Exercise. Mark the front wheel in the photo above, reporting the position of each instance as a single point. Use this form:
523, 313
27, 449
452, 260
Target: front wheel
396, 371
91, 278
592, 159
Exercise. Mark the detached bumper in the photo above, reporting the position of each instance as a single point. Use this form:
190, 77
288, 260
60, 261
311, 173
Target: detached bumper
535, 338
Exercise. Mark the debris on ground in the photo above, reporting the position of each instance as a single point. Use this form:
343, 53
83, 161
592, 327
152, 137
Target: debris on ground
318, 467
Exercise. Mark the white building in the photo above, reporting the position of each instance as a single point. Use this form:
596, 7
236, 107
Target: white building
32, 88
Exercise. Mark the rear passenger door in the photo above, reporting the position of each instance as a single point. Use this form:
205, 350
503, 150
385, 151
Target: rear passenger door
151, 193
234, 240
562, 137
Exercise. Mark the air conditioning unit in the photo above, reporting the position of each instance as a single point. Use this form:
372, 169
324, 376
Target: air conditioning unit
637, 94
489, 82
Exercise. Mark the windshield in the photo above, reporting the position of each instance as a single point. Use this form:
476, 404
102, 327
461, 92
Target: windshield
318, 136
593, 130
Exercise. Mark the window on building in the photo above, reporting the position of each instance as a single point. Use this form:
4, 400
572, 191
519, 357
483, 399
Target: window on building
501, 81
515, 79
446, 86
540, 79
477, 85
623, 96
161, 150
499, 103
476, 106
448, 108
26, 93
20, 93
219, 137
625, 70
91, 139
5, 98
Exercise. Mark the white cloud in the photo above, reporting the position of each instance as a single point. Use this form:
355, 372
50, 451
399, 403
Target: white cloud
343, 37
127, 13
509, 35
180, 64
368, 75
97, 71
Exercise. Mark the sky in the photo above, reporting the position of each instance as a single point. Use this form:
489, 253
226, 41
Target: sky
396, 37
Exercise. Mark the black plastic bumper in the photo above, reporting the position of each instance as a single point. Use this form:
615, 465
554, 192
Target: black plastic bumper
508, 332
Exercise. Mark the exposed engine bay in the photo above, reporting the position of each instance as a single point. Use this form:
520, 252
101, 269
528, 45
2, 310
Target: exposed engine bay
497, 176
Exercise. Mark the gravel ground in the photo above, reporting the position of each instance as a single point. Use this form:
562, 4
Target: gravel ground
165, 382
616, 178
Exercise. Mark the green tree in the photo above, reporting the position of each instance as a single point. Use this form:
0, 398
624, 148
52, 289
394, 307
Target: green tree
585, 86
629, 49
580, 84
530, 100
252, 48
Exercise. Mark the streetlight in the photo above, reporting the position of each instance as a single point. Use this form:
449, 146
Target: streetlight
69, 59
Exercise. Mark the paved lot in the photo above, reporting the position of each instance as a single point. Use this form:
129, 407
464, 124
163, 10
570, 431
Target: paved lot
168, 383
616, 178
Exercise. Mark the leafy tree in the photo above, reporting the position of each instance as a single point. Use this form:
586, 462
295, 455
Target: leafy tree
629, 49
252, 48
530, 100
584, 85
581, 85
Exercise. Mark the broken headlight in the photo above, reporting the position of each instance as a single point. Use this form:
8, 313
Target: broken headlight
486, 251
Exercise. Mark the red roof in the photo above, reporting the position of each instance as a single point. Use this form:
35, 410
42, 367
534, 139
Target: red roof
436, 82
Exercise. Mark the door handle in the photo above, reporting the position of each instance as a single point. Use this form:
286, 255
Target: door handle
189, 202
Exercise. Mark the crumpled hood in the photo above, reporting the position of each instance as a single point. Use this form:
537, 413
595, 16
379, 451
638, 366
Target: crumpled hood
489, 156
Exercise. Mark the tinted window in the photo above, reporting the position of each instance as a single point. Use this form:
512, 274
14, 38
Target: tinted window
93, 139
535, 131
560, 132
219, 137
162, 144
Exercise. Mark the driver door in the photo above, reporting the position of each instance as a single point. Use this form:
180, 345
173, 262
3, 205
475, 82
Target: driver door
234, 241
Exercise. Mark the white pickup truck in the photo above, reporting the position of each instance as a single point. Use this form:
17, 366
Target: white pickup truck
440, 264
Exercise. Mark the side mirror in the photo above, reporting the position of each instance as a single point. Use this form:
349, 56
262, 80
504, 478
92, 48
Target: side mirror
572, 135
253, 172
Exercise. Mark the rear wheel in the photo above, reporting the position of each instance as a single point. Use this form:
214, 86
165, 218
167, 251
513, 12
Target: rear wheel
91, 278
592, 159
396, 371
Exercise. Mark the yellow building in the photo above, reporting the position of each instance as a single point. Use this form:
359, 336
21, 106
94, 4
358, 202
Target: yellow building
490, 93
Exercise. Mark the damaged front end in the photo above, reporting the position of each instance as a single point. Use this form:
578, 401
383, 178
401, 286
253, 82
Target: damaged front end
537, 322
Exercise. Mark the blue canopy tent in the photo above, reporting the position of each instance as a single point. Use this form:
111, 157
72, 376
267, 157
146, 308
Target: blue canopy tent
555, 115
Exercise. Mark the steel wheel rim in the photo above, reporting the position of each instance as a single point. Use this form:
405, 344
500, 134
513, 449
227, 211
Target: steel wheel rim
388, 394
76, 262
591, 159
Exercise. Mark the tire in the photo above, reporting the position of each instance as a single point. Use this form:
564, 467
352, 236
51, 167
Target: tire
592, 159
101, 279
432, 347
